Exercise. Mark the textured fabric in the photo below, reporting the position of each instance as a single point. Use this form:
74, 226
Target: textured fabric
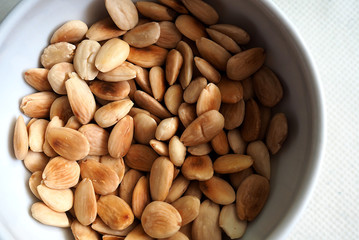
330, 29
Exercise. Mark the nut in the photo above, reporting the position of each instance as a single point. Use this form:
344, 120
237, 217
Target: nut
155, 11
194, 89
37, 105
147, 57
97, 138
143, 35
61, 108
161, 177
252, 121
207, 70
232, 163
205, 226
47, 216
187, 113
37, 78
174, 63
85, 205
111, 91
209, 99
234, 32
57, 53
222, 39
177, 151
140, 196
167, 129
83, 232
20, 140
59, 200
261, 158
160, 148
202, 10
128, 184
145, 127
188, 208
35, 161
197, 168
120, 138
175, 5
277, 132
190, 27
112, 112
157, 82
179, 186
220, 143
140, 157
231, 91
186, 72
230, 223
169, 35
173, 98
72, 32
218, 190
123, 13
34, 181
84, 59
103, 30
124, 72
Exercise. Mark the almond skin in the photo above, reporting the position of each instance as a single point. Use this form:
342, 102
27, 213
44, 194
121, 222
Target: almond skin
85, 205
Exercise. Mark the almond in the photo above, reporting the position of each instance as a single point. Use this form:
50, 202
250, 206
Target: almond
47, 216
103, 30
35, 161
234, 32
116, 164
205, 226
228, 43
83, 232
128, 184
207, 70
123, 13
148, 57
186, 230
169, 35
161, 220
140, 196
231, 91
59, 200
233, 114
138, 234
167, 129
112, 54
244, 64
179, 186
252, 194
175, 5
115, 212
194, 89
237, 178
218, 190
72, 31
105, 180
99, 226
160, 148
193, 190
111, 91
37, 78
97, 138
202, 10
230, 223
198, 168
173, 98
112, 112
236, 142
200, 150
37, 135
177, 151
84, 59
220, 143
161, 177
186, 72
266, 114
142, 79
37, 105
81, 99
34, 181
187, 113
157, 82
261, 158
209, 99
68, 143
123, 72
145, 128
248, 91
85, 205
174, 63
61, 108
48, 150
121, 137
20, 139
140, 157
190, 27
203, 128
277, 132
231, 163
155, 11
252, 121
188, 208
143, 35
61, 173
57, 53
73, 123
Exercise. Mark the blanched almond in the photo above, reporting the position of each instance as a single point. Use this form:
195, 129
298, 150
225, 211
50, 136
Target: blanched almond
140, 196
110, 90
123, 72
237, 178
205, 226
169, 35
203, 128
117, 164
277, 132
37, 105
190, 27
200, 150
207, 70
59, 200
160, 148
186, 72
115, 212
214, 53
231, 91
187, 113
232, 163
145, 128
128, 184
175, 5
197, 168
103, 30
105, 180
84, 59
179, 186
222, 39
220, 143
68, 143
194, 190
85, 205
186, 230
218, 190
34, 181
173, 98
194, 89
266, 114
57, 53
143, 35
148, 57
209, 99
155, 11
202, 10
112, 54
234, 32
20, 139
167, 128
234, 114
73, 123
35, 161
48, 150
61, 173
188, 208
37, 78
37, 135
97, 138
252, 194
47, 216
99, 226
109, 114
81, 232
61, 107
177, 151
230, 223
72, 31
121, 137
161, 177
142, 79
123, 13
160, 220
140, 157
138, 234
235, 140
252, 121
174, 63
157, 82
261, 158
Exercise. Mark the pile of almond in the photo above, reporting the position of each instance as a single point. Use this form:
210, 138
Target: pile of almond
154, 123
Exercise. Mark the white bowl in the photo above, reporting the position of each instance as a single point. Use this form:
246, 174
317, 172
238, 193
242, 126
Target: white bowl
25, 33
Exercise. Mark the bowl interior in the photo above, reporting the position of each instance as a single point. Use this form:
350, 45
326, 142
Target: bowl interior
27, 31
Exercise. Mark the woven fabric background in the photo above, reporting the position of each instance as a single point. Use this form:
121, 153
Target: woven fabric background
330, 29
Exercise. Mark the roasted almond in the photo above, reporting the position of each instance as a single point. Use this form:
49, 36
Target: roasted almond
190, 27
197, 168
123, 13
173, 98
233, 114
236, 33
145, 128
121, 137
252, 194
123, 72
81, 99
47, 216
155, 11
128, 184
73, 123
105, 180
138, 234
160, 148
207, 70
230, 223
35, 161
34, 181
58, 75
231, 91
186, 230
140, 157
37, 105
236, 142
57, 53
97, 138
222, 39
117, 164
59, 200
103, 30
84, 59
188, 208
142, 79
209, 99
115, 212
218, 190
266, 114
140, 196
261, 158
244, 64
194, 190
237, 178
157, 82
169, 35
187, 113
68, 143
85, 205
61, 108
111, 91
37, 78
214, 53
202, 10
148, 57
167, 129
174, 63
20, 139
99, 226
72, 31
205, 226
194, 89
203, 128
175, 5
112, 54
161, 220
179, 186
143, 35
252, 121
83, 232
231, 163
200, 150
112, 112
220, 143
277, 132
177, 151
161, 177
186, 72
61, 173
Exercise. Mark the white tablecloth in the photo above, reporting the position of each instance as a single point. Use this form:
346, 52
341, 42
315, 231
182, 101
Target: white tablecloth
330, 29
